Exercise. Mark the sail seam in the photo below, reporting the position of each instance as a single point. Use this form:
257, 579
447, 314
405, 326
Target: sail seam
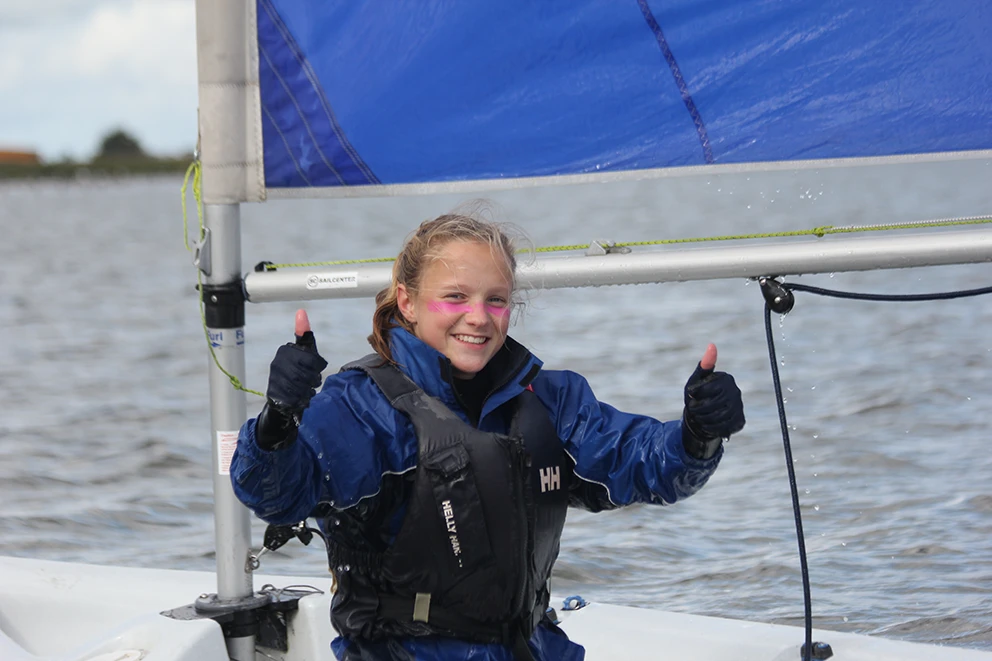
308, 71
333, 120
285, 142
351, 157
289, 92
690, 105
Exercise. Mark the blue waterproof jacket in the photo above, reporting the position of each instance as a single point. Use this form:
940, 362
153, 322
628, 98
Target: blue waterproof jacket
350, 438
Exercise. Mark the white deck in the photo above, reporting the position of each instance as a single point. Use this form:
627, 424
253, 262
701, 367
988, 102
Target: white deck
74, 612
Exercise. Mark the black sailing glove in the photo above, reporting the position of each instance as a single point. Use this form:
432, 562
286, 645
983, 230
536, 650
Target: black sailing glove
713, 411
294, 375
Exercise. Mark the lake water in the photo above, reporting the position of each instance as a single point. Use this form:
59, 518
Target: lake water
105, 434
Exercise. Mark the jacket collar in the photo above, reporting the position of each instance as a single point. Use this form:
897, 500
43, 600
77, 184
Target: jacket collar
511, 370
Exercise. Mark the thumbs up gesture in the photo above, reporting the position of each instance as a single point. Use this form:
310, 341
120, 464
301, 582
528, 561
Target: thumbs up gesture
294, 375
713, 408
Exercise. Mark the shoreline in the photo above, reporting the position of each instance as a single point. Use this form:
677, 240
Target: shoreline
95, 169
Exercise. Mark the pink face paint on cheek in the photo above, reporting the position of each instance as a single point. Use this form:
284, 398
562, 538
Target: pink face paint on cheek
449, 308
497, 311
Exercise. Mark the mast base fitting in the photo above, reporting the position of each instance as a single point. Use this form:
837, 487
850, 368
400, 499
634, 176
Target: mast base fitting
778, 298
264, 614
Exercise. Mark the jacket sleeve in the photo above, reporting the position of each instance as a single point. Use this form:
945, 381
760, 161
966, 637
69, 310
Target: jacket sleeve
349, 438
620, 458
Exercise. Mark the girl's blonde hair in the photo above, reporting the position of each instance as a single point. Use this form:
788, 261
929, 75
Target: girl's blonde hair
419, 251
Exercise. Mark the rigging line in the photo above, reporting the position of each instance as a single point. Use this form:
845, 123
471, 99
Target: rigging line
195, 170
939, 296
818, 232
804, 567
778, 297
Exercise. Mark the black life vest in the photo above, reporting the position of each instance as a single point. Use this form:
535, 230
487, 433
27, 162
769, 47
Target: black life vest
483, 519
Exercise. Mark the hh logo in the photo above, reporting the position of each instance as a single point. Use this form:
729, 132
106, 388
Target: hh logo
550, 478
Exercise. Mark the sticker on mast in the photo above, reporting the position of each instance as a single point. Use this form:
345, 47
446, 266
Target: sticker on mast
227, 442
333, 280
223, 338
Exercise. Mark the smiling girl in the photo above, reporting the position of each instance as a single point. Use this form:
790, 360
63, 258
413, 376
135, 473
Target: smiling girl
441, 466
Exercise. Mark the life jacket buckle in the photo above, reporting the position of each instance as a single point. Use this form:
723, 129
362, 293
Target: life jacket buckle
422, 607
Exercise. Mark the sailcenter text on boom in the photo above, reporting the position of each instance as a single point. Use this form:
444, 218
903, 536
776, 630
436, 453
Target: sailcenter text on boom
332, 281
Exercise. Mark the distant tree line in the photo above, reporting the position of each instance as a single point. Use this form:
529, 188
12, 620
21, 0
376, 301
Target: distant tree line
119, 154
119, 144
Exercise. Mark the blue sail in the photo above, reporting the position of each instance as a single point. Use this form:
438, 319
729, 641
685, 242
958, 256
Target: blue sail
431, 91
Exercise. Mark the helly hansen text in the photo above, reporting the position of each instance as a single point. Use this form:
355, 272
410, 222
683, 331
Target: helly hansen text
550, 479
449, 523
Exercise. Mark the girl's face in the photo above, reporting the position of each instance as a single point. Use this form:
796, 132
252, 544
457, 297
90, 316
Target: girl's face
463, 306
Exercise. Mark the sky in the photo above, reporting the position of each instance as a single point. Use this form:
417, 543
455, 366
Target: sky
71, 71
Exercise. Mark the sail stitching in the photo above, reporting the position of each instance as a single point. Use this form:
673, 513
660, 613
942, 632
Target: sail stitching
307, 71
333, 120
690, 105
299, 111
289, 150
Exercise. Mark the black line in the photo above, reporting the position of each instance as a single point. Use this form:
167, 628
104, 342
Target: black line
690, 105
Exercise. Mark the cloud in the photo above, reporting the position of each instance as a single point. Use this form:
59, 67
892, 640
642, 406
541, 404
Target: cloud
70, 71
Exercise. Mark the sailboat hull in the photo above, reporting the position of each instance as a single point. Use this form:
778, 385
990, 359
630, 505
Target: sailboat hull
56, 611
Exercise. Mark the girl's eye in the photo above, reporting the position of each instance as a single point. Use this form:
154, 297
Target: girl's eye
454, 296
497, 301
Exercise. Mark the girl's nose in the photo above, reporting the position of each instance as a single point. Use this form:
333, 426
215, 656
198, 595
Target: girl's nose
477, 315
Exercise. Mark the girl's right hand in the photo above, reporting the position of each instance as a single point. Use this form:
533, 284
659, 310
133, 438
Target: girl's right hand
294, 375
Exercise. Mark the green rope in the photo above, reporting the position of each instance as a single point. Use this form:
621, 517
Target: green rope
196, 172
818, 232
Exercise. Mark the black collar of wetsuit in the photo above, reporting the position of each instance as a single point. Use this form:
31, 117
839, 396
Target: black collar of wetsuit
503, 366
